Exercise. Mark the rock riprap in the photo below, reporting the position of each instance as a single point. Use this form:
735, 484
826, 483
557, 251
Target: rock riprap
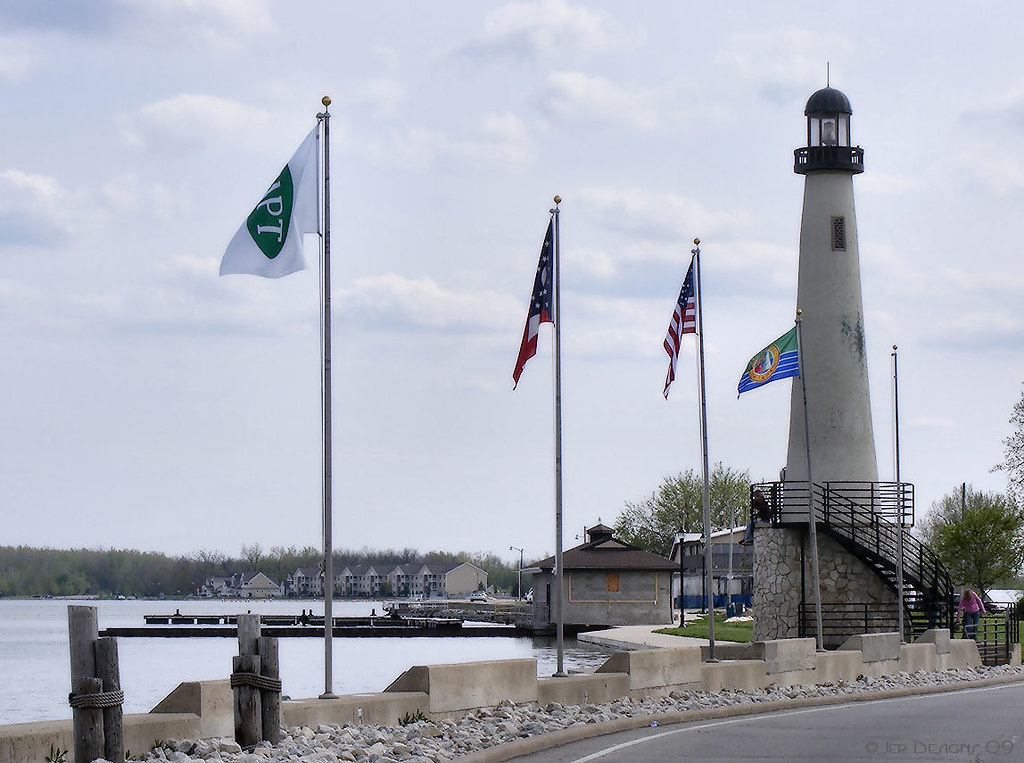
444, 740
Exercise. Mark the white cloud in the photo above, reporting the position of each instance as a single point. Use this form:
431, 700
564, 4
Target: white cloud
891, 184
18, 56
501, 142
595, 262
389, 301
18, 299
653, 216
33, 209
220, 23
223, 22
413, 147
550, 27
188, 122
997, 171
1002, 111
584, 97
381, 96
787, 62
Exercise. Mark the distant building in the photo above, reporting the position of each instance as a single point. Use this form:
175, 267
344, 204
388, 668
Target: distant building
606, 582
241, 586
464, 579
380, 580
259, 586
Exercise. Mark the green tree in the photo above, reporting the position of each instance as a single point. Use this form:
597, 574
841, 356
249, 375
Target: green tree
980, 540
1013, 453
678, 503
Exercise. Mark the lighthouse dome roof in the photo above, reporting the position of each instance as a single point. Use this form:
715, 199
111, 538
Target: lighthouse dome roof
828, 100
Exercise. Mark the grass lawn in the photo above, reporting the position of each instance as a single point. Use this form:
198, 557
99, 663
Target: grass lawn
742, 631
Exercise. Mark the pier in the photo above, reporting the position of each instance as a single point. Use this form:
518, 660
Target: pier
393, 624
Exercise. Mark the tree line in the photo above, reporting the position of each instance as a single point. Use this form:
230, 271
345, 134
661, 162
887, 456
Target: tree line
26, 571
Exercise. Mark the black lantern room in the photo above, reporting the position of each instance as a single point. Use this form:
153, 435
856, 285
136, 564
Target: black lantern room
828, 136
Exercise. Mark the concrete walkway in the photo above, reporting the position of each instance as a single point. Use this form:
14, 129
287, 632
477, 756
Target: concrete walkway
628, 638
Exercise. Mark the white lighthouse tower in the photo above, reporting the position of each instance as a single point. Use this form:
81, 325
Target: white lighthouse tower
836, 438
850, 567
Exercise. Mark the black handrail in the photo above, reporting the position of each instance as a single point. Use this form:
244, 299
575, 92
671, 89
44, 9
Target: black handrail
864, 518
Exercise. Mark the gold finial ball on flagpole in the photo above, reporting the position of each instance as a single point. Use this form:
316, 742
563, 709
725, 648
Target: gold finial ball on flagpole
696, 241
326, 100
894, 347
558, 200
799, 312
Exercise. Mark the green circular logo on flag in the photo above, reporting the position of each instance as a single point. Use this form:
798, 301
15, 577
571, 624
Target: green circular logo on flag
268, 223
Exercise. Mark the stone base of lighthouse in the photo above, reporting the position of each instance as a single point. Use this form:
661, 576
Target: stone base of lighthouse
852, 593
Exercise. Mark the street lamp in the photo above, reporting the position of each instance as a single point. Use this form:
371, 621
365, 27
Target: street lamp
514, 548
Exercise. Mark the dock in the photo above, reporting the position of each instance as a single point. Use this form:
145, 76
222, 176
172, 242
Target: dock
179, 625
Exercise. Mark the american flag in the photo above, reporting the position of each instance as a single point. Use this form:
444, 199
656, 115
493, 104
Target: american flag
684, 321
540, 306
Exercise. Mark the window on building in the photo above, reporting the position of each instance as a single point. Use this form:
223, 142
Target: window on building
613, 581
838, 234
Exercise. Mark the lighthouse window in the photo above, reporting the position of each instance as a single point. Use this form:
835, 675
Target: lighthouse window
838, 234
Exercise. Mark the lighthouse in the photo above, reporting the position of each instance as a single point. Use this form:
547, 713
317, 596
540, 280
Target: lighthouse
833, 432
850, 566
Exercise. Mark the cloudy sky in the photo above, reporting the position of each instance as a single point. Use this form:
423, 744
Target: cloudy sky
148, 403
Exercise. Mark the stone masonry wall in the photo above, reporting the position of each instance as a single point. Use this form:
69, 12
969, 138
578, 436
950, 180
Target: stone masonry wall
777, 577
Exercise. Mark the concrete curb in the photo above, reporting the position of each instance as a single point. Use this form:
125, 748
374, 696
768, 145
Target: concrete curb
541, 742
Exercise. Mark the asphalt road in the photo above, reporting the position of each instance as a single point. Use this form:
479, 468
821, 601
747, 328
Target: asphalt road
970, 725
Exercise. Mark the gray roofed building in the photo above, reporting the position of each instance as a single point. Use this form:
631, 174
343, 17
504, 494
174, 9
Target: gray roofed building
606, 581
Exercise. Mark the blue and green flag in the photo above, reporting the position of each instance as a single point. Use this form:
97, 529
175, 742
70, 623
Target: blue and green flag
779, 360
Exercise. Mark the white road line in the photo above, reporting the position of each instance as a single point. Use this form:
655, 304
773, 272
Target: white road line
741, 718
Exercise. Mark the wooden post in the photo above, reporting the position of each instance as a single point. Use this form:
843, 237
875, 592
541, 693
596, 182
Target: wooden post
109, 672
87, 723
248, 708
270, 699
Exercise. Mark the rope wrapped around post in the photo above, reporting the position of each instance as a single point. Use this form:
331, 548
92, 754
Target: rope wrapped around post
256, 685
263, 683
96, 698
101, 699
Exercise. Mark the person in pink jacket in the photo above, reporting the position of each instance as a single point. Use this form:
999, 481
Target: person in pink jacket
970, 608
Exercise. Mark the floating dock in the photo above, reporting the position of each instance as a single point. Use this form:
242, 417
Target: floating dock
180, 625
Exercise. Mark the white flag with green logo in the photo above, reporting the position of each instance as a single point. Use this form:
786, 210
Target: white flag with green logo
269, 243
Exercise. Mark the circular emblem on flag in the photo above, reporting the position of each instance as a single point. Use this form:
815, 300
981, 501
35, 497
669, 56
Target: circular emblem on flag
269, 222
765, 366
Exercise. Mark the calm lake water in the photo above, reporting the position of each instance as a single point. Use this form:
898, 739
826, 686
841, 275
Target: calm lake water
35, 662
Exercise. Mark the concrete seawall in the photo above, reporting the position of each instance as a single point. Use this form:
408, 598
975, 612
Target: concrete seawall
204, 709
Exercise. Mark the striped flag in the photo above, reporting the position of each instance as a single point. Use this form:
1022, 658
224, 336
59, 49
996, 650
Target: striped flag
540, 306
779, 360
684, 321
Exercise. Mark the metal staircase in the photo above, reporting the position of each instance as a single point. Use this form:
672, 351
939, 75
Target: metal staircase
863, 517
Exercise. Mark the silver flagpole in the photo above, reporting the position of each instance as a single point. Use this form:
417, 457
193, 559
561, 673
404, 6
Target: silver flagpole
708, 557
899, 493
556, 309
325, 118
811, 519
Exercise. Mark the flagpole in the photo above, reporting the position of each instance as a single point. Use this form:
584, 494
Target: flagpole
811, 519
556, 309
708, 557
325, 119
899, 492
